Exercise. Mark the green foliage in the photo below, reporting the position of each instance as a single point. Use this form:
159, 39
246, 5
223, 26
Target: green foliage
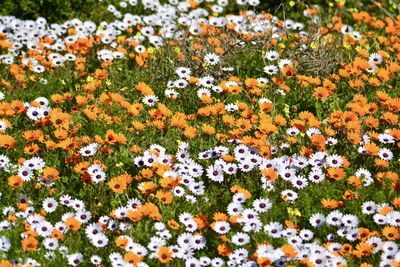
52, 10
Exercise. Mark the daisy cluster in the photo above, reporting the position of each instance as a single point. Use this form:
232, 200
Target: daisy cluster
200, 133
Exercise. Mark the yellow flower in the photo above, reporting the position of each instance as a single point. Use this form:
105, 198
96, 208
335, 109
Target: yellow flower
314, 45
286, 109
119, 164
294, 212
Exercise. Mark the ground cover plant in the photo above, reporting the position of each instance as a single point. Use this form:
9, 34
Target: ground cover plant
201, 133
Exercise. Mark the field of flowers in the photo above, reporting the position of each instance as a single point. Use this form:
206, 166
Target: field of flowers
202, 133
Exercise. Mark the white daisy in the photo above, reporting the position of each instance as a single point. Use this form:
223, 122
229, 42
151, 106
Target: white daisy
375, 59
150, 100
240, 239
183, 72
221, 227
270, 69
385, 154
49, 205
75, 259
212, 59
272, 55
89, 150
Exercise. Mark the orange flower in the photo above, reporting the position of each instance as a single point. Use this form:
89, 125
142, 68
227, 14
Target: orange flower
81, 100
7, 141
389, 118
50, 174
144, 89
266, 107
354, 138
121, 241
100, 74
381, 163
173, 224
151, 210
146, 172
385, 210
371, 122
72, 223
5, 263
146, 187
243, 124
396, 202
270, 174
362, 250
60, 119
321, 93
57, 234
135, 149
31, 149
363, 233
287, 71
190, 132
371, 149
238, 189
331, 204
208, 129
29, 244
114, 138
118, 184
165, 197
318, 140
138, 126
346, 249
164, 254
57, 98
201, 221
135, 215
219, 216
133, 258
224, 250
354, 181
178, 120
336, 173
391, 233
33, 135
289, 251
356, 84
82, 167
